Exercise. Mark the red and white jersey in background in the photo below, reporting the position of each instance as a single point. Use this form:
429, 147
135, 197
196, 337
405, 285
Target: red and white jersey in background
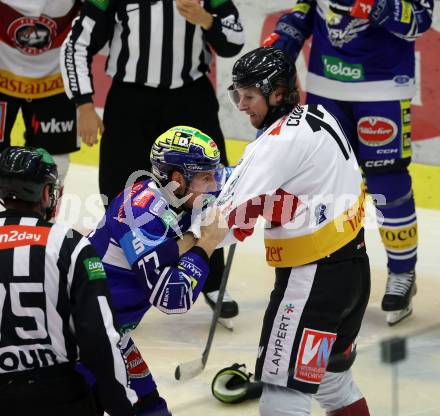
302, 176
31, 33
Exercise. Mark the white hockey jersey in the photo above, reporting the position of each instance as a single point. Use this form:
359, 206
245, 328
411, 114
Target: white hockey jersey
31, 34
302, 176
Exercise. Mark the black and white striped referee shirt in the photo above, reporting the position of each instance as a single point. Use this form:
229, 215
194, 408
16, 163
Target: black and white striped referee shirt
54, 300
150, 43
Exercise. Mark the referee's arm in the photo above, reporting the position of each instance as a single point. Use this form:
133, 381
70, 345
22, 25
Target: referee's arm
96, 336
90, 32
226, 35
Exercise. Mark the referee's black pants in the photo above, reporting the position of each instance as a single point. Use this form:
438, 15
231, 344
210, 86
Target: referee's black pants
134, 116
52, 391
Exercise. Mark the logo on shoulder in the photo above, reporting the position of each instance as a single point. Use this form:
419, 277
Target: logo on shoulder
128, 194
301, 9
94, 268
143, 198
158, 206
168, 218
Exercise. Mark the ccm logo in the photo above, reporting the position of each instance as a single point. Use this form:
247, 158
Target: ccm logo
386, 151
379, 163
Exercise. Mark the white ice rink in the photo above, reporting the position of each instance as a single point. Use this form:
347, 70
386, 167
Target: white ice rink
166, 341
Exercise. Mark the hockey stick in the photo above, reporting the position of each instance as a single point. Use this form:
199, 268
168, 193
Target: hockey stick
190, 369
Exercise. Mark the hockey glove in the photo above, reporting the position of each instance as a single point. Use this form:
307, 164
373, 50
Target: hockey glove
232, 385
287, 36
378, 11
359, 9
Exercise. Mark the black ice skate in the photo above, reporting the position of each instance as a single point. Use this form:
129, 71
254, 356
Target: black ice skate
229, 307
398, 296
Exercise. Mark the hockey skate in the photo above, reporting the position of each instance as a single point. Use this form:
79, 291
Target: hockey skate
229, 308
397, 301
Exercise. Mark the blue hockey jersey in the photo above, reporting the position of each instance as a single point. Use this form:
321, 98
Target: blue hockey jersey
136, 240
358, 59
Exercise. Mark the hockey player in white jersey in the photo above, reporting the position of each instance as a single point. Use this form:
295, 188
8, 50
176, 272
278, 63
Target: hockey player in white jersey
362, 68
302, 177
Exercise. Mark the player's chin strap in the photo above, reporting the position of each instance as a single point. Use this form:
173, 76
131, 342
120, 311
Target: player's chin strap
232, 385
274, 113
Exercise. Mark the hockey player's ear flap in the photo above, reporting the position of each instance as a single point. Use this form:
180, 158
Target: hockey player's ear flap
233, 385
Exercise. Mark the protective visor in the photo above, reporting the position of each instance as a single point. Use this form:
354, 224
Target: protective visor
242, 97
208, 180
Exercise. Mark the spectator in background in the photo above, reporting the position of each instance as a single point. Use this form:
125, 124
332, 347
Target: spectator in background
361, 69
159, 58
31, 34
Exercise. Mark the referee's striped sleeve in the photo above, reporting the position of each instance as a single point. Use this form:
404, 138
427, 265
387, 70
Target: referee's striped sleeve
90, 32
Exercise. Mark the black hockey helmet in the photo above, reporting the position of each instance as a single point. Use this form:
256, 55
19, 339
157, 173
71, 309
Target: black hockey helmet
266, 68
261, 67
24, 171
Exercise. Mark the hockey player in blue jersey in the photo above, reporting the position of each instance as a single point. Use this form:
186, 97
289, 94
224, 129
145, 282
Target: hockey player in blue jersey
361, 69
150, 257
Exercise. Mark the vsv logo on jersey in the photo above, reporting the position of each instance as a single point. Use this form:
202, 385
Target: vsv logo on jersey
342, 71
376, 131
21, 235
52, 126
314, 352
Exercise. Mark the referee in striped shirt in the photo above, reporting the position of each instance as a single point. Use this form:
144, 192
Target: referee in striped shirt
159, 57
54, 303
